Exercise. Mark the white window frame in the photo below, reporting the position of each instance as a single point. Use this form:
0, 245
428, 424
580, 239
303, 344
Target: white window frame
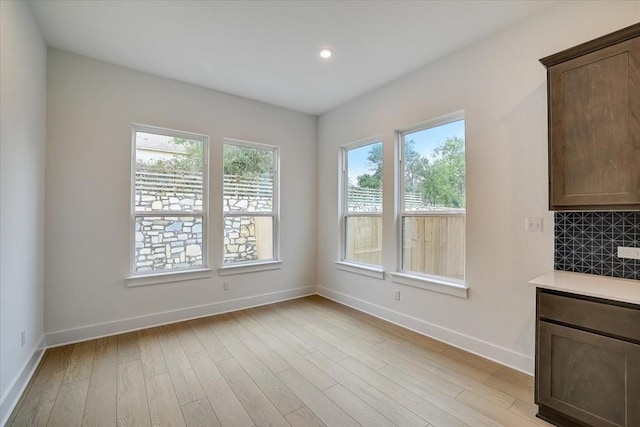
371, 270
256, 265
177, 274
416, 279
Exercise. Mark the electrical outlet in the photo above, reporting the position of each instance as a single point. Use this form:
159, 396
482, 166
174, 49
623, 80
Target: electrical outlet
533, 225
397, 295
633, 253
225, 286
23, 338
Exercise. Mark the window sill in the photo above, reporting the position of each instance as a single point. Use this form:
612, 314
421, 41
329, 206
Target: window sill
228, 270
364, 270
173, 276
442, 286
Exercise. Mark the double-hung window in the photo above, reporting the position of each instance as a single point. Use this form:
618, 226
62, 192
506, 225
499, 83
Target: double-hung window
362, 203
432, 200
250, 203
168, 201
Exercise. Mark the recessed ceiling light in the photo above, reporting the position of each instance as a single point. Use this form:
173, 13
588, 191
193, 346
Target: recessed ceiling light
325, 53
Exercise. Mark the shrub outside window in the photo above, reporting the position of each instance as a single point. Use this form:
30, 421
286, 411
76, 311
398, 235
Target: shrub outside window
433, 199
250, 203
362, 203
169, 200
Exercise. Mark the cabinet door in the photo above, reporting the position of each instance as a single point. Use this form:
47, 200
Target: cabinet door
594, 135
591, 378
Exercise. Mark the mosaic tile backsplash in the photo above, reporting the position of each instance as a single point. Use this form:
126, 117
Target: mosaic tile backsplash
587, 242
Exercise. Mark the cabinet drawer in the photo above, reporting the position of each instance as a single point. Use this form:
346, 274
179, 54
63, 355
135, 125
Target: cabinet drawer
597, 316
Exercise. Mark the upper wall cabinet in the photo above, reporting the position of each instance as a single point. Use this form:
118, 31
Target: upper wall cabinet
593, 93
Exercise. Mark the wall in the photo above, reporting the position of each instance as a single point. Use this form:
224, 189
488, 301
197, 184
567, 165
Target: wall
91, 107
500, 85
22, 153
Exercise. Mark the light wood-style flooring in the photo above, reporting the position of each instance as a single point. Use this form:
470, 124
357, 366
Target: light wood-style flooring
302, 363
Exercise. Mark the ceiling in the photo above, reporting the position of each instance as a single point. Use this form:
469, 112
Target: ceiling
268, 50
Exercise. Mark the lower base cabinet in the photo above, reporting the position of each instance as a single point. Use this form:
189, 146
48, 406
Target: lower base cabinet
587, 361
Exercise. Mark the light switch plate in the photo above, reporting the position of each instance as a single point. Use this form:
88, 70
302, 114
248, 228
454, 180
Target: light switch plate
533, 225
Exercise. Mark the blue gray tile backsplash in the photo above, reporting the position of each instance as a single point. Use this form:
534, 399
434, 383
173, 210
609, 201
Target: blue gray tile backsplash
587, 242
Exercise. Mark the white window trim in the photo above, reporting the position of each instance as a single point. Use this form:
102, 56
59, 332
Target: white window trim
252, 267
445, 285
154, 277
262, 264
344, 264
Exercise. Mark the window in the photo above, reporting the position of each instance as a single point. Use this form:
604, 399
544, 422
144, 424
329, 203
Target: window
362, 203
432, 199
250, 203
169, 201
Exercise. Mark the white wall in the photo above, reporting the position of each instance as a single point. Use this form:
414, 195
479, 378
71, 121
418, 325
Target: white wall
501, 86
91, 108
22, 152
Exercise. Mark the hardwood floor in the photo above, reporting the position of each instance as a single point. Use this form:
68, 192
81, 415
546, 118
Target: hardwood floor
306, 362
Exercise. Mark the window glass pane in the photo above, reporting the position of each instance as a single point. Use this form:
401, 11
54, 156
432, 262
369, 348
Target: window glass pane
248, 238
364, 178
434, 245
169, 173
164, 243
364, 239
434, 168
248, 179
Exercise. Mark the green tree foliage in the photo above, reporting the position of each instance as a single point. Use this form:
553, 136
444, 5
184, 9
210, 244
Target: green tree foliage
247, 161
189, 162
374, 179
444, 179
440, 179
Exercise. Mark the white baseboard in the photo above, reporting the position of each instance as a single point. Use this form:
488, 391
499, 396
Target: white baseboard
115, 327
13, 394
504, 356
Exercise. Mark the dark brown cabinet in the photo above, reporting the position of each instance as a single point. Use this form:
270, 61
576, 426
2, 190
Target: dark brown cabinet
594, 123
587, 361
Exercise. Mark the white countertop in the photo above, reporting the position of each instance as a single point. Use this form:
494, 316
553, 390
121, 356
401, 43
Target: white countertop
590, 285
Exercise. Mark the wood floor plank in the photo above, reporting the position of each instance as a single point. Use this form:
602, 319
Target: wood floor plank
220, 329
367, 393
267, 319
217, 351
495, 412
356, 408
347, 348
453, 372
279, 395
132, 407
163, 403
316, 376
151, 353
415, 367
200, 414
128, 348
69, 406
259, 408
55, 359
226, 405
37, 405
306, 362
426, 410
324, 408
80, 361
437, 398
304, 417
185, 381
106, 347
259, 348
101, 403
188, 339
528, 410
